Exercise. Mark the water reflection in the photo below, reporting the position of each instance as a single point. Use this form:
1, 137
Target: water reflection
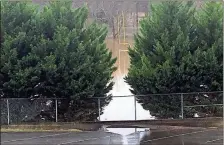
131, 136
127, 131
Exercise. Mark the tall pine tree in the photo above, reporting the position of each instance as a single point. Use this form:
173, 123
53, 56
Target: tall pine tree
53, 53
169, 56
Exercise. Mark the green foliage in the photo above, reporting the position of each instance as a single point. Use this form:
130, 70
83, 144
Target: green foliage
178, 50
52, 52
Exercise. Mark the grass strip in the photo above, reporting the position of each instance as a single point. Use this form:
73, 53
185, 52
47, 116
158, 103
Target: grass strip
37, 130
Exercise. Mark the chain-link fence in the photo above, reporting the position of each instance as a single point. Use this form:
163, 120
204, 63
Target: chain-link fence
20, 110
181, 105
16, 110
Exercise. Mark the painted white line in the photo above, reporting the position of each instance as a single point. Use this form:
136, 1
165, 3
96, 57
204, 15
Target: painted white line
214, 140
88, 139
176, 135
23, 139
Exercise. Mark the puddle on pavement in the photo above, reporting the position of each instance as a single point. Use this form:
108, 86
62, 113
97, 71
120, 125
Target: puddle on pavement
131, 136
126, 131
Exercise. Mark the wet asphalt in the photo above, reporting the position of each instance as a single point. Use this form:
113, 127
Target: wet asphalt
185, 137
153, 137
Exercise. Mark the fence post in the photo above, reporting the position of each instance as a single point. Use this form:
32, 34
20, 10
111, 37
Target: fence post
135, 108
182, 106
8, 119
99, 107
135, 112
56, 110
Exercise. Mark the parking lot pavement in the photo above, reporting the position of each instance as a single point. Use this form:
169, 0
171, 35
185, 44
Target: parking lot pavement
97, 137
172, 137
185, 137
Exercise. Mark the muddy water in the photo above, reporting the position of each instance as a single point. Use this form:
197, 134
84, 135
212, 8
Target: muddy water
120, 50
122, 108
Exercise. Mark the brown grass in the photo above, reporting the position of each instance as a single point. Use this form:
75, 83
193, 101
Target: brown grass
46, 127
37, 130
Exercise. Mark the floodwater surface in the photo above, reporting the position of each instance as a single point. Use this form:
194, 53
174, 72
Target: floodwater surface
122, 108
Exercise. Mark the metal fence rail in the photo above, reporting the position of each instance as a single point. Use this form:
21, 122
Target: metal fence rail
17, 110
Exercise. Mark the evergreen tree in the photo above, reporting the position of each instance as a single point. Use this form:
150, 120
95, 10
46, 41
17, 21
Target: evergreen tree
53, 53
169, 57
207, 60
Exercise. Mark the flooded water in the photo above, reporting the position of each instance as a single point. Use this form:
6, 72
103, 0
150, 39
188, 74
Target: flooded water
121, 108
